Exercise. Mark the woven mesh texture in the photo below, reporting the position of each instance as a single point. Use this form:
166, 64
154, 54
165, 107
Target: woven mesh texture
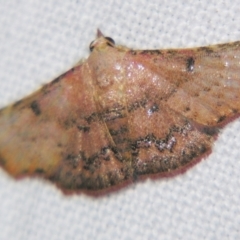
40, 40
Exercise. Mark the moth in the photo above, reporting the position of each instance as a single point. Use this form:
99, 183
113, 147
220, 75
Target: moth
122, 115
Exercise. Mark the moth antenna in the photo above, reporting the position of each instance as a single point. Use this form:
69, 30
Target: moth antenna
99, 33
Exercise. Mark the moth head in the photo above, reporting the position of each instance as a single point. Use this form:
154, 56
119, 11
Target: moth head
101, 41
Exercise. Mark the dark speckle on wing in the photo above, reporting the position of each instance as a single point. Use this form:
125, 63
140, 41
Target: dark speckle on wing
35, 108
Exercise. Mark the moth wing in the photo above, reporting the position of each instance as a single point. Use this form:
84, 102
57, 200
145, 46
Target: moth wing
177, 101
56, 133
202, 84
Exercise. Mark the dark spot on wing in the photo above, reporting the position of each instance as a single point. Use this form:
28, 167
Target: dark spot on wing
151, 52
222, 118
145, 142
113, 113
206, 49
154, 108
35, 108
116, 153
171, 52
190, 64
121, 130
39, 171
83, 128
134, 106
92, 118
211, 131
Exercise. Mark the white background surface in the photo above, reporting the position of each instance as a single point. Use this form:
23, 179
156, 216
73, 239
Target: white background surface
40, 40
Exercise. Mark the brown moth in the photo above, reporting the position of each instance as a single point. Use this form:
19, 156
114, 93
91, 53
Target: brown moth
121, 115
